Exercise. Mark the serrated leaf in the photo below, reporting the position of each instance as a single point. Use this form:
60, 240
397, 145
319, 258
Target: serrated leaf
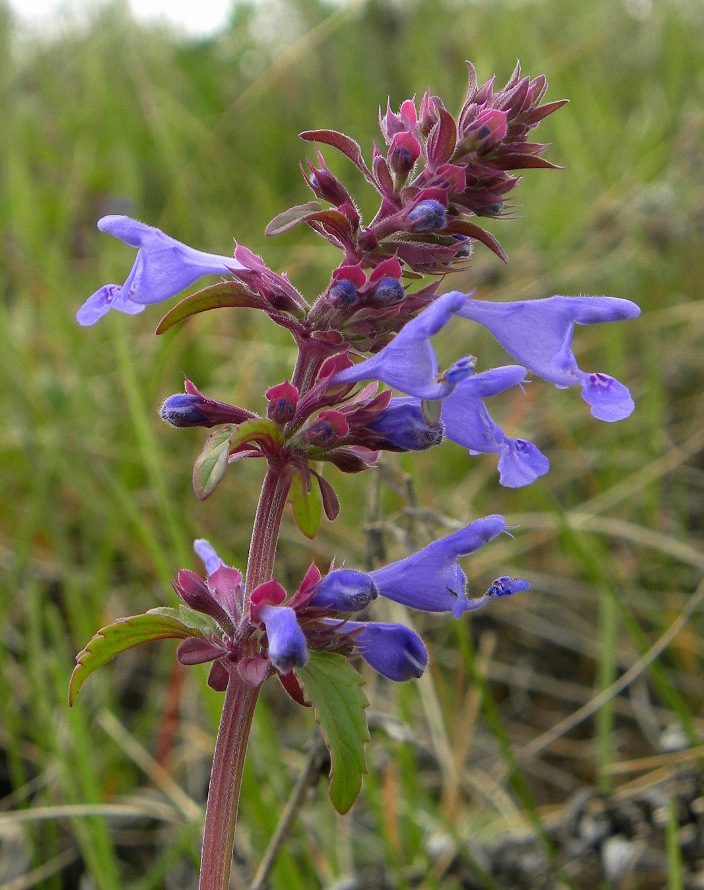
227, 294
307, 506
334, 687
287, 219
211, 463
120, 636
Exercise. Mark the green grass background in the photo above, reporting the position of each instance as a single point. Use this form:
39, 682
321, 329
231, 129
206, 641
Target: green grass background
96, 506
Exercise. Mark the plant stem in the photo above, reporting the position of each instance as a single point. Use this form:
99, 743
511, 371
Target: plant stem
225, 783
240, 701
265, 534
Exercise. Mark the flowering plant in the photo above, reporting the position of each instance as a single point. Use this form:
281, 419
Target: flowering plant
367, 334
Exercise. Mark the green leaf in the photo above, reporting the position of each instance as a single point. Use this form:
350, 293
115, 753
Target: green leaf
307, 506
291, 217
227, 294
334, 688
258, 430
211, 463
204, 625
121, 635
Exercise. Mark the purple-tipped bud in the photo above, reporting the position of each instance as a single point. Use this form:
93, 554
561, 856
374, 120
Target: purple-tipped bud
403, 153
343, 293
403, 426
330, 427
427, 216
486, 130
287, 642
282, 399
465, 249
388, 292
344, 590
181, 410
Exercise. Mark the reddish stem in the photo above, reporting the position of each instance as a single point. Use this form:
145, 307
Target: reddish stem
240, 701
225, 783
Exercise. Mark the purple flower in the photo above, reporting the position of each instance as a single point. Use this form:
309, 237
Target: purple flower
393, 650
409, 362
468, 423
208, 556
538, 334
163, 268
431, 579
287, 642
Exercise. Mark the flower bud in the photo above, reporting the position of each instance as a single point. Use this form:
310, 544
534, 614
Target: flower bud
181, 410
427, 216
403, 153
388, 292
330, 427
404, 428
194, 592
282, 399
344, 590
343, 293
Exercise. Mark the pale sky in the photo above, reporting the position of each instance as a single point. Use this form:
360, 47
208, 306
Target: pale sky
198, 17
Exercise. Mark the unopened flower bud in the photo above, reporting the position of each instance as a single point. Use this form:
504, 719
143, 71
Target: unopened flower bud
388, 292
403, 153
465, 248
343, 293
403, 426
181, 410
344, 590
427, 216
330, 427
282, 400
